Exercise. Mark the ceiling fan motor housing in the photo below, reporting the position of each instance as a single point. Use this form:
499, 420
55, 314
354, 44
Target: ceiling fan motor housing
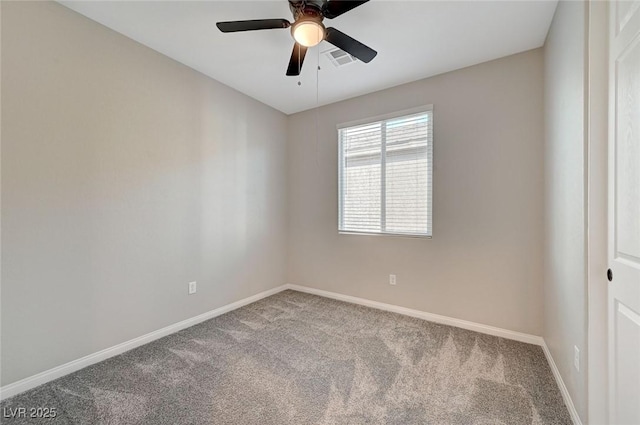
307, 29
307, 8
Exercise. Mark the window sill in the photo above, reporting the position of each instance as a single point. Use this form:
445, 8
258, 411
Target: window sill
402, 235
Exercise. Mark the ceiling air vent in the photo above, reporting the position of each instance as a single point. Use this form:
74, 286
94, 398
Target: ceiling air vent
339, 57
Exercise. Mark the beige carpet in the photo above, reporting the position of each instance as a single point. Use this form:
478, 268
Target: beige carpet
295, 358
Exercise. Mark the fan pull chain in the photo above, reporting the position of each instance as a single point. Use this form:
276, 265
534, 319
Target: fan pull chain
300, 83
299, 67
317, 84
318, 109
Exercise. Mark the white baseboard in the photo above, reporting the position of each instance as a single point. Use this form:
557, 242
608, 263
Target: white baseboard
75, 365
445, 320
563, 388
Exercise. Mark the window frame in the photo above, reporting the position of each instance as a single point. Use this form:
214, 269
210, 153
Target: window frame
370, 120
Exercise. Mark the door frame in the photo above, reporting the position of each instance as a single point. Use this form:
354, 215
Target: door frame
596, 166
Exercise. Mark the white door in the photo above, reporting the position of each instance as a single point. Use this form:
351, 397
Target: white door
624, 213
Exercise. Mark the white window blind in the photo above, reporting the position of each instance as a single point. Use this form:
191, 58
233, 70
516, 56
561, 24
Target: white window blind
385, 172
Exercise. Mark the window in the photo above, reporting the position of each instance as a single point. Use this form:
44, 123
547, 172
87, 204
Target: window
385, 173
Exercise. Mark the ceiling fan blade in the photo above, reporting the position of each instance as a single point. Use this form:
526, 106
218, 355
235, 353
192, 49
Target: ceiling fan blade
297, 58
253, 25
335, 8
350, 45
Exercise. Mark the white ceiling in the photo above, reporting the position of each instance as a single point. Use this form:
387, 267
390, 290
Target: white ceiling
414, 40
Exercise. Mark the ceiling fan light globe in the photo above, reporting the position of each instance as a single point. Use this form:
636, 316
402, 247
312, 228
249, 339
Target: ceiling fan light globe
308, 33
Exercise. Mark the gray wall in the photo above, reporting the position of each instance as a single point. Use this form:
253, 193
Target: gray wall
125, 175
484, 262
565, 256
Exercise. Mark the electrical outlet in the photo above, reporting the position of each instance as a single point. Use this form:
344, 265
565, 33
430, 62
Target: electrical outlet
392, 279
192, 288
576, 358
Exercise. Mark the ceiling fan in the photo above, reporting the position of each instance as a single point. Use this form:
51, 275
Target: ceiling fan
307, 29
